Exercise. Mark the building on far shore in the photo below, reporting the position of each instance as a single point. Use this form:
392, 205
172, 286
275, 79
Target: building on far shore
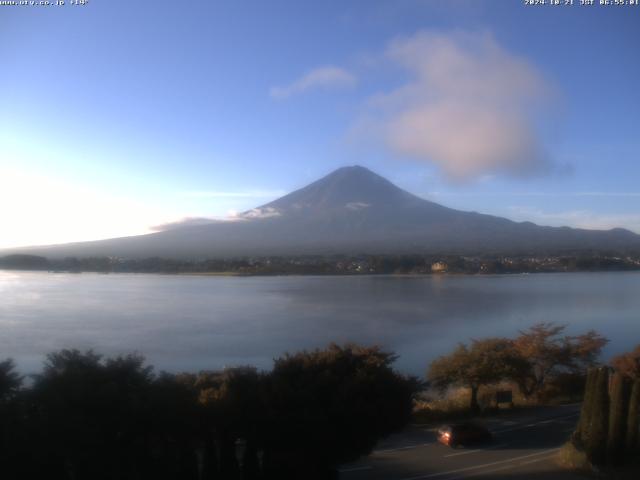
439, 267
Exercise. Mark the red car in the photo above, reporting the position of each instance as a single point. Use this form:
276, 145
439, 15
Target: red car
463, 434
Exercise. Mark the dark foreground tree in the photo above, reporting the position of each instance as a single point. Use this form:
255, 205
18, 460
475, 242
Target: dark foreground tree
233, 402
11, 411
106, 418
618, 411
584, 425
596, 445
10, 380
327, 407
482, 363
632, 438
628, 364
86, 416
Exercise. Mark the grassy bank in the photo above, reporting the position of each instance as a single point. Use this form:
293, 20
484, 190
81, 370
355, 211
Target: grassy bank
431, 407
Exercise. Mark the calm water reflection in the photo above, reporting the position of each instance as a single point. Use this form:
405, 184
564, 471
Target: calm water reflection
189, 322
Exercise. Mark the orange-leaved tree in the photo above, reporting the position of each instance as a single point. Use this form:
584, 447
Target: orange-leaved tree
483, 362
544, 352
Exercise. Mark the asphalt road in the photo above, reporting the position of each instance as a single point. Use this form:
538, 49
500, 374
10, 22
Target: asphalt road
524, 447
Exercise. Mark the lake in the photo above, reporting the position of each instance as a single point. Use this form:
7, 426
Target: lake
182, 322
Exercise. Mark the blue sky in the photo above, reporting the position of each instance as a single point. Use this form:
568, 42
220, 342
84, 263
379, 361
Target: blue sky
116, 116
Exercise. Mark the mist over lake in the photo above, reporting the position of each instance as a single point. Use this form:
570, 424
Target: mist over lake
208, 322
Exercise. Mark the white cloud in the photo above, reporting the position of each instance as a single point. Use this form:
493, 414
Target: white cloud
319, 78
231, 216
469, 106
184, 222
577, 218
265, 212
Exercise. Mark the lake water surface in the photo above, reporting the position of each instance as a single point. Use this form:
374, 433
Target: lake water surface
184, 322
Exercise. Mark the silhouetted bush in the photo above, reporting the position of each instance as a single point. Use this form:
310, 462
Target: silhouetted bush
327, 407
11, 411
89, 417
10, 380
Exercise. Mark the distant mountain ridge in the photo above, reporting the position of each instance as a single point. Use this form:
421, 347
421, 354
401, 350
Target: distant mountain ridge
350, 211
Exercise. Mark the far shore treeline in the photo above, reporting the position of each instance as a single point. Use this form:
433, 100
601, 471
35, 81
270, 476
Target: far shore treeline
337, 264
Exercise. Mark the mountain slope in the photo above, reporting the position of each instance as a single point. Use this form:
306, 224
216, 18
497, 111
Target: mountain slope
350, 211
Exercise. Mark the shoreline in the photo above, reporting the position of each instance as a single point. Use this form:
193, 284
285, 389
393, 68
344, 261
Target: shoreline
315, 274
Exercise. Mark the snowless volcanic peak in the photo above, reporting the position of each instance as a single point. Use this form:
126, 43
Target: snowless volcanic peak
352, 188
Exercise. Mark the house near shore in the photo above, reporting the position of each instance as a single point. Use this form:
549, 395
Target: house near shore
439, 267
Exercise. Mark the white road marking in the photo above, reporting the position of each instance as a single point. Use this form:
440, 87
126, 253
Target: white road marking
398, 449
561, 419
387, 450
504, 467
429, 426
354, 469
536, 460
550, 420
475, 467
466, 452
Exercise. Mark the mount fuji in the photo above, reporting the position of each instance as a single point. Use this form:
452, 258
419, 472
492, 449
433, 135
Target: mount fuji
350, 211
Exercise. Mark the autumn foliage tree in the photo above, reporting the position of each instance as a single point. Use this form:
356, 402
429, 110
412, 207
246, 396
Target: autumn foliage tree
544, 351
483, 362
537, 355
628, 363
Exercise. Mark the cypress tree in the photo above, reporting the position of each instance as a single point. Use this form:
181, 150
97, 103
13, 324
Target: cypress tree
619, 402
584, 424
633, 422
596, 447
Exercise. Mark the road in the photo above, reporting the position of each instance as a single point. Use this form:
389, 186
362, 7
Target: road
523, 447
